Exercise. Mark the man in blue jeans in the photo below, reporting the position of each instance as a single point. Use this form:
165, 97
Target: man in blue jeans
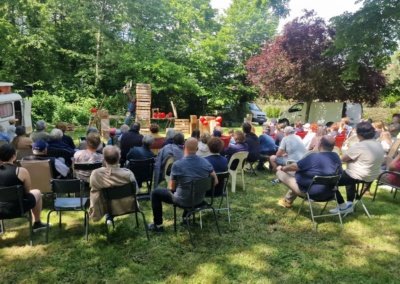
191, 167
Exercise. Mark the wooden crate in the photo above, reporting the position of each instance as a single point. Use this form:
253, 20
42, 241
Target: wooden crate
103, 113
194, 123
182, 125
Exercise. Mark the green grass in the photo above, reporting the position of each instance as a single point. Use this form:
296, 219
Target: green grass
263, 244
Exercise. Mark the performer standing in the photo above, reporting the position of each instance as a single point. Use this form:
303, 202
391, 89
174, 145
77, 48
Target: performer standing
131, 105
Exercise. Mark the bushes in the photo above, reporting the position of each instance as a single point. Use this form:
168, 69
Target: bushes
54, 108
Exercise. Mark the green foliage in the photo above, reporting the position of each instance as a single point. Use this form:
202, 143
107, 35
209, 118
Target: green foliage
272, 111
44, 106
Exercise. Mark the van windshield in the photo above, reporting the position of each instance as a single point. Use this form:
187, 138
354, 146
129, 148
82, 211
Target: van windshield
254, 107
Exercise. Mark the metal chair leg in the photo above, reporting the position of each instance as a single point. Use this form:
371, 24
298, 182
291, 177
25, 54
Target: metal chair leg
145, 225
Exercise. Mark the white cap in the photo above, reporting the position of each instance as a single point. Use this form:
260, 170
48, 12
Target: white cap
6, 84
307, 125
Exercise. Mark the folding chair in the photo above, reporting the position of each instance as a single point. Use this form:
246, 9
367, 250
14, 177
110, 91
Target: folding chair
339, 140
330, 181
198, 188
40, 173
143, 171
361, 188
167, 169
384, 182
14, 195
220, 191
236, 163
394, 149
60, 153
61, 191
118, 193
86, 167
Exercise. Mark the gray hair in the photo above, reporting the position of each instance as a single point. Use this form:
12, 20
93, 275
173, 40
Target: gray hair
111, 154
170, 133
148, 140
56, 133
92, 130
124, 128
40, 125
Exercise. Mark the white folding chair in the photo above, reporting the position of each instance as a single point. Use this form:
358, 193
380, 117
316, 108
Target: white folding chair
236, 164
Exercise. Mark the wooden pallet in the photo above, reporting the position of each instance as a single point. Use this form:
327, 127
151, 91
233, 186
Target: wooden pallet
182, 125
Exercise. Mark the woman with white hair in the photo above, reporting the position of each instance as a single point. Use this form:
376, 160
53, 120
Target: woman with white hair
56, 141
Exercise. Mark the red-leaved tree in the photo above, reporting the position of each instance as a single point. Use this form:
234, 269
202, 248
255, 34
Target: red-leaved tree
294, 66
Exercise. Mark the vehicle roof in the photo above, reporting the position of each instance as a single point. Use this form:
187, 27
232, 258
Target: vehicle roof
10, 97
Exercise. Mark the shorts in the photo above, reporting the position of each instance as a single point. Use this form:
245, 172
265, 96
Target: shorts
9, 210
281, 161
29, 201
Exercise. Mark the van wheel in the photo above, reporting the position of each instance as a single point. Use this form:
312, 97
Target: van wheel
260, 123
285, 121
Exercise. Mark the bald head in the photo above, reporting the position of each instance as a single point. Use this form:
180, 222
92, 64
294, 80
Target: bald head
327, 143
111, 155
191, 146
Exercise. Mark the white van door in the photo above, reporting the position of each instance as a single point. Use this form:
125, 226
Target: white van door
296, 112
354, 112
27, 119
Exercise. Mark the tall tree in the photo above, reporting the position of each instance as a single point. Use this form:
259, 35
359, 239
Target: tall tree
293, 65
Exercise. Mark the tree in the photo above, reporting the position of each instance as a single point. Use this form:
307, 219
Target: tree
367, 37
293, 65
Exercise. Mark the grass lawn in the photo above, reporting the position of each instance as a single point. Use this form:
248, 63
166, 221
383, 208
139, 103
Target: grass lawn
263, 244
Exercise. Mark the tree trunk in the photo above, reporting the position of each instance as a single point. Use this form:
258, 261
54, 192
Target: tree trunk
98, 39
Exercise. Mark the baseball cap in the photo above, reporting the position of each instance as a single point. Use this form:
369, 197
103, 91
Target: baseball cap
307, 125
40, 146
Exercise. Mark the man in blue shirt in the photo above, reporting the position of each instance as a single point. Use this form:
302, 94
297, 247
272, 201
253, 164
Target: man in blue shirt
191, 167
267, 146
298, 176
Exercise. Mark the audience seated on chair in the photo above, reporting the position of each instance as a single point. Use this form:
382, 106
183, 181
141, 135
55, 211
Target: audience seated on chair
394, 127
334, 130
219, 163
267, 146
40, 133
291, 148
364, 160
240, 146
169, 137
154, 130
4, 136
321, 131
89, 155
394, 166
11, 128
21, 142
191, 167
279, 135
143, 152
298, 176
130, 139
11, 175
203, 150
311, 132
56, 141
252, 142
66, 138
171, 150
109, 176
58, 167
82, 144
298, 126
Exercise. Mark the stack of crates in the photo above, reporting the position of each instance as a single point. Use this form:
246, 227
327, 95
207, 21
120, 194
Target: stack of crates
143, 104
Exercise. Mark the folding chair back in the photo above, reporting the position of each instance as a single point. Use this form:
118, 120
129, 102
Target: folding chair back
167, 169
236, 164
13, 195
24, 153
60, 153
143, 171
86, 167
120, 192
198, 189
383, 180
61, 191
394, 149
332, 183
40, 173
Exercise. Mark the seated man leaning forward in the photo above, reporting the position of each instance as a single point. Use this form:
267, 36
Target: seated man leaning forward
291, 148
109, 176
190, 168
298, 176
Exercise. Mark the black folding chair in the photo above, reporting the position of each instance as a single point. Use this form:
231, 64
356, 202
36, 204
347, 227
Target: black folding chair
60, 153
332, 183
112, 194
198, 189
361, 188
11, 207
143, 171
386, 182
221, 192
61, 192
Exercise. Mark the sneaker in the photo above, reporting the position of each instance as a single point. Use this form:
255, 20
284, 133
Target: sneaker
282, 202
348, 209
155, 228
275, 181
37, 226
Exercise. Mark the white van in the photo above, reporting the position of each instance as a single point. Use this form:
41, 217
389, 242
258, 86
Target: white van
12, 106
322, 113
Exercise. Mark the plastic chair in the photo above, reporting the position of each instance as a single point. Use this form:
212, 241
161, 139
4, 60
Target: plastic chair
198, 188
226, 140
143, 171
339, 140
380, 182
237, 163
330, 181
221, 192
24, 153
61, 191
14, 195
167, 170
40, 173
115, 193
